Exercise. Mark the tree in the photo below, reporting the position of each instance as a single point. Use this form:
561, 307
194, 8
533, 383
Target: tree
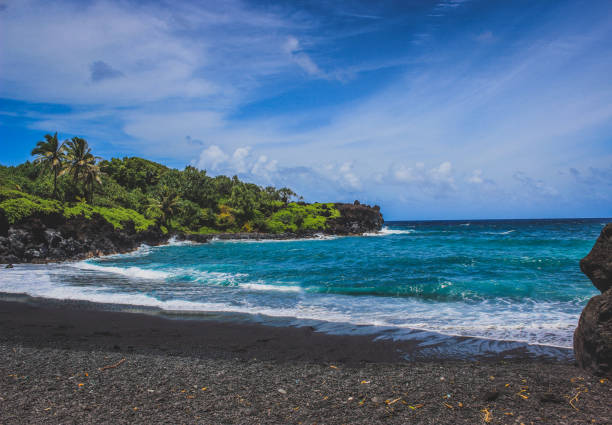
286, 194
165, 205
91, 173
243, 201
50, 154
132, 173
81, 163
78, 153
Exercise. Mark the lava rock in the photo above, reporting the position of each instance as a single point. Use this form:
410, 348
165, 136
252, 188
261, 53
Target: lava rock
597, 265
56, 238
355, 219
593, 336
491, 395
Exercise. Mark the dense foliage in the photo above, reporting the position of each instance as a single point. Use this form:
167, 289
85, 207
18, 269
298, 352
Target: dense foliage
68, 179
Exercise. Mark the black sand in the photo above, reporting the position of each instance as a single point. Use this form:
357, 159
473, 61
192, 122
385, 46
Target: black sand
71, 365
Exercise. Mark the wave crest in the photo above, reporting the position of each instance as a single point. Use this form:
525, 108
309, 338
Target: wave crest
385, 231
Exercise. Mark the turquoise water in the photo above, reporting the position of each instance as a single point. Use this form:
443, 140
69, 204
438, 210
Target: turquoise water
504, 280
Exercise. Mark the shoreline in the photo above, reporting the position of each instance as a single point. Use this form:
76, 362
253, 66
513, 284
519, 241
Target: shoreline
189, 238
408, 344
70, 363
57, 235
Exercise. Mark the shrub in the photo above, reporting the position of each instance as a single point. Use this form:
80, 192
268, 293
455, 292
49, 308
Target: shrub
225, 219
115, 216
16, 209
301, 217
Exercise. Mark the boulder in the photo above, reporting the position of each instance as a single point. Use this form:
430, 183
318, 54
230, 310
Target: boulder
597, 265
593, 336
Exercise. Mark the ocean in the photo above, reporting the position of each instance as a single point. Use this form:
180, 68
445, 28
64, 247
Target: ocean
497, 280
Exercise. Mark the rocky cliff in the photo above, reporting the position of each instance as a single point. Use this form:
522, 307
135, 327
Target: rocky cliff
53, 237
355, 219
593, 336
47, 238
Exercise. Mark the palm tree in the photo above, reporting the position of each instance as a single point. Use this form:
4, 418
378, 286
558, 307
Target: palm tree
50, 154
91, 173
82, 164
165, 205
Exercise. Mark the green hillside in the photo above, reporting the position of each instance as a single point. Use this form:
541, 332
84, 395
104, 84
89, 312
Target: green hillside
66, 178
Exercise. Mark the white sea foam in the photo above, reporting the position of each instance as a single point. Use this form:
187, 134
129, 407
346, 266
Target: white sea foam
133, 272
191, 274
507, 232
316, 237
141, 251
385, 231
548, 323
268, 287
173, 241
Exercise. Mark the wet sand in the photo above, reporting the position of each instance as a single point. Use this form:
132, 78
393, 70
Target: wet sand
68, 363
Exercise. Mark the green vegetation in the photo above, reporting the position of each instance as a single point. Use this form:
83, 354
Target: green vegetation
115, 216
67, 179
299, 217
17, 206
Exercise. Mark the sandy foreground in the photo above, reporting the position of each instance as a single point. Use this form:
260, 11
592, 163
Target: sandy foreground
64, 364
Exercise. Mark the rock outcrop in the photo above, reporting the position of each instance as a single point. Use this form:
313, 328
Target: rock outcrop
55, 238
355, 219
598, 264
593, 336
50, 238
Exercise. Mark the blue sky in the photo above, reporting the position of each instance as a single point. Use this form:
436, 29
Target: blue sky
431, 109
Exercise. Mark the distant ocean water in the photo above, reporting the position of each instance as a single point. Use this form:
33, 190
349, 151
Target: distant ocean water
512, 280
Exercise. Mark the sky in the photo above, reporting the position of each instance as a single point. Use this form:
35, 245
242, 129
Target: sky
452, 109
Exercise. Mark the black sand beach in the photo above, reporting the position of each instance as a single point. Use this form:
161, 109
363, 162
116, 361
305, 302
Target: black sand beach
65, 364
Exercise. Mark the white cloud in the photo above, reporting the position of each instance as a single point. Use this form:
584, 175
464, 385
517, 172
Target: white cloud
476, 177
212, 158
292, 47
438, 178
348, 177
145, 79
239, 160
44, 59
443, 173
264, 168
212, 52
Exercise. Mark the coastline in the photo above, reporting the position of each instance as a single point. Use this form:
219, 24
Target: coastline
314, 340
53, 360
157, 239
55, 237
183, 237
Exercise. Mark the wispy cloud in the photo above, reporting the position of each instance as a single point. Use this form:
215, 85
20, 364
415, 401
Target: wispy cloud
479, 118
293, 49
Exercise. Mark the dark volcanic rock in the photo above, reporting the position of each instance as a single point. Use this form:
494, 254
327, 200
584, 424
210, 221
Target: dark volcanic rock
355, 219
593, 336
598, 264
54, 238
